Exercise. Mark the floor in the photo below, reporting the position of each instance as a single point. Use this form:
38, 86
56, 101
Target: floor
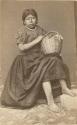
41, 115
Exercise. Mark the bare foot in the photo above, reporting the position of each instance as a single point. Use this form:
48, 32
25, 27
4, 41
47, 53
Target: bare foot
54, 108
69, 92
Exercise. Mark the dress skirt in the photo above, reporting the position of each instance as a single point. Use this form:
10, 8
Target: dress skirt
23, 86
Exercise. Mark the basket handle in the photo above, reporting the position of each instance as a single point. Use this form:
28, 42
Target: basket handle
50, 32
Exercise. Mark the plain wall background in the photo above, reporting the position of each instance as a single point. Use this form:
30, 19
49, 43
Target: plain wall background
55, 15
75, 12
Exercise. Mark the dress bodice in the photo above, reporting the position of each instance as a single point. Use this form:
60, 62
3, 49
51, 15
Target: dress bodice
26, 35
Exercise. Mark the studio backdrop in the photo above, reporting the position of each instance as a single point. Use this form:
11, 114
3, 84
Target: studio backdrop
58, 16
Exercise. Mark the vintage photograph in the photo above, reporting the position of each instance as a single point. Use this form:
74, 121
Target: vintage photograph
38, 62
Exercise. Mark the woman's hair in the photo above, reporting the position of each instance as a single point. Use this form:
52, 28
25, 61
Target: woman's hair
27, 12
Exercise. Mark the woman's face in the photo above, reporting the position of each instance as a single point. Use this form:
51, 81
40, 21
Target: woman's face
30, 21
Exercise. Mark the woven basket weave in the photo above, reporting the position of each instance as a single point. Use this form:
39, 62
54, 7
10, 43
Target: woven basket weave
52, 42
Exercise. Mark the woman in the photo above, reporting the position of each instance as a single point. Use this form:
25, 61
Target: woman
32, 73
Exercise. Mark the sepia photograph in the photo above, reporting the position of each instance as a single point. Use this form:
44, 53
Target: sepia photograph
38, 62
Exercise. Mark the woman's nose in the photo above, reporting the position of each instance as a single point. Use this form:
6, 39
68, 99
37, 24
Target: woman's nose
31, 20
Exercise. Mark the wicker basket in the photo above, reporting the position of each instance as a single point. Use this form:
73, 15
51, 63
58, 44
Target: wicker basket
52, 42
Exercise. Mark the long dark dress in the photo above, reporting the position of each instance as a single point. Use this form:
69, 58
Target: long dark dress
29, 70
